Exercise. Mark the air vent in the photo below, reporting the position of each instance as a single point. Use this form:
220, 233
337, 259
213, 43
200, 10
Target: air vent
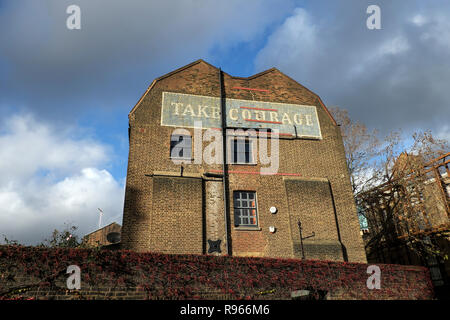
113, 237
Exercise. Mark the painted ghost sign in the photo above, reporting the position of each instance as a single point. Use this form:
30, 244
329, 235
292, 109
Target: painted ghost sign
182, 110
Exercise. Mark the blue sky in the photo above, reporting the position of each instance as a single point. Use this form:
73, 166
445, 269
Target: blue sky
65, 94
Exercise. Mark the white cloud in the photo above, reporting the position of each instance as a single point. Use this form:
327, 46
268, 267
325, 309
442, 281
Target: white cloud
48, 178
419, 20
294, 42
438, 31
27, 146
388, 79
444, 133
394, 46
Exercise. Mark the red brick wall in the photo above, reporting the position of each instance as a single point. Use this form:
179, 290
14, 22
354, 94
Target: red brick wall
40, 273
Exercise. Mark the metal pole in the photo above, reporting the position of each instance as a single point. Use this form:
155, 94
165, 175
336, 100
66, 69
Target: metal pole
301, 239
100, 217
224, 154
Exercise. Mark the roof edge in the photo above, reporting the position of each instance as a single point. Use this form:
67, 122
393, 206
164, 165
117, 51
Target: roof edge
312, 92
165, 76
233, 77
101, 228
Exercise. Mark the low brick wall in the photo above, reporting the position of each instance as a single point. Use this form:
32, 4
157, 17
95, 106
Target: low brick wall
40, 273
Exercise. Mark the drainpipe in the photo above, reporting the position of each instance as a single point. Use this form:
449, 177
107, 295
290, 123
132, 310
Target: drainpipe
344, 250
224, 154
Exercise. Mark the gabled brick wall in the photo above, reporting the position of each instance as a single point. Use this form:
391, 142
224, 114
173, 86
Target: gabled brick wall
306, 158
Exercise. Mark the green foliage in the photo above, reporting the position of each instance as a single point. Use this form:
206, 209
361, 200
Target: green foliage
10, 242
67, 238
63, 239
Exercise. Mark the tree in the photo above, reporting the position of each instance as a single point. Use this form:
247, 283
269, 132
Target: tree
402, 209
10, 242
390, 180
65, 239
360, 147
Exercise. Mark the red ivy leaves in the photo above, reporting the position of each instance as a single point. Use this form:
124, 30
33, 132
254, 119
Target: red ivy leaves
184, 276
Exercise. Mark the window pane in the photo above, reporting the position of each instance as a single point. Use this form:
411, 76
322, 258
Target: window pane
245, 210
241, 150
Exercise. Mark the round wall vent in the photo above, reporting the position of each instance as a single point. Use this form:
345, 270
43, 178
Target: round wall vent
113, 237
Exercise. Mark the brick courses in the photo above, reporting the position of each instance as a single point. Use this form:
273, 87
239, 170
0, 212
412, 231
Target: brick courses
158, 218
40, 273
99, 237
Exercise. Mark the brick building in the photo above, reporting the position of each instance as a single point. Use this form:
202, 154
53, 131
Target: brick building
104, 236
409, 215
175, 203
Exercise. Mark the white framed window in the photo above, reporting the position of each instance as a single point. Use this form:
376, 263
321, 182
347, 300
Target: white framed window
245, 209
242, 150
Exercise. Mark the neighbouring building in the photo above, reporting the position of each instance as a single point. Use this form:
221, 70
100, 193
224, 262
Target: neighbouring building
104, 236
419, 209
174, 198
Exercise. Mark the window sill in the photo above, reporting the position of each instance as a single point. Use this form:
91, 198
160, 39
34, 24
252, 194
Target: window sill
248, 228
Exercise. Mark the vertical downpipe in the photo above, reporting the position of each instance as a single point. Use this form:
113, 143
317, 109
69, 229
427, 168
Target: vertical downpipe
344, 250
224, 154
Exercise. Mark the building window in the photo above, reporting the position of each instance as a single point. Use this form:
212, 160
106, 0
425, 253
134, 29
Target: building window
241, 151
180, 146
245, 211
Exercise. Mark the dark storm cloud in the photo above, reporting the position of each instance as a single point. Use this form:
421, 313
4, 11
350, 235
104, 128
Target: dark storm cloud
121, 47
394, 77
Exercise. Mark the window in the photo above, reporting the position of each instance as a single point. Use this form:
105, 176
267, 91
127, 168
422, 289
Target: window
245, 211
180, 146
241, 151
363, 223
